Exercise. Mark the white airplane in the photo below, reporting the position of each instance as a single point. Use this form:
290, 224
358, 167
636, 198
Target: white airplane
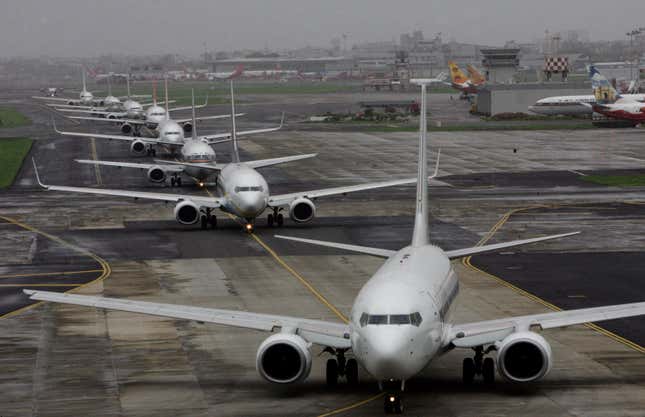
84, 98
194, 151
242, 191
229, 75
170, 135
399, 321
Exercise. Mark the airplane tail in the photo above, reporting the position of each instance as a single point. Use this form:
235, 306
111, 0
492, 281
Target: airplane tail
109, 83
236, 154
604, 92
456, 75
194, 121
476, 76
166, 93
127, 83
238, 71
420, 233
84, 82
154, 92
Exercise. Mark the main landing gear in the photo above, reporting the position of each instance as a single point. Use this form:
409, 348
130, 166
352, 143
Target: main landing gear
276, 218
393, 399
151, 151
175, 181
478, 365
207, 219
341, 367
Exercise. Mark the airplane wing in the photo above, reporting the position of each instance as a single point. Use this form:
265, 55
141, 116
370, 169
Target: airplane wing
211, 166
55, 99
475, 250
286, 199
105, 119
381, 253
491, 331
89, 110
165, 167
199, 106
213, 139
324, 333
210, 202
219, 116
116, 137
261, 163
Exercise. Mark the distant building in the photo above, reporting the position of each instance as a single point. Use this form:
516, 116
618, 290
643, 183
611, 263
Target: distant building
501, 64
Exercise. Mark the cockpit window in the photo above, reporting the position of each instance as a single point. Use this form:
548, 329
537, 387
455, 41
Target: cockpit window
243, 189
377, 319
392, 319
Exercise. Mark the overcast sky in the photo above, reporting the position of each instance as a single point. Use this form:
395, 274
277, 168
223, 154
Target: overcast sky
94, 27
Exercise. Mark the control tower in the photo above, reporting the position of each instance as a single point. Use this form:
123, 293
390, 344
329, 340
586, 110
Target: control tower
500, 64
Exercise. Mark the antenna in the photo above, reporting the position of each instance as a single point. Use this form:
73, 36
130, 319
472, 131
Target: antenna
194, 129
236, 155
166, 87
420, 233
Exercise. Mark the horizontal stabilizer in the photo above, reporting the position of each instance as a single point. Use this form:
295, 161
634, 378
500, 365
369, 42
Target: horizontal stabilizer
475, 250
383, 253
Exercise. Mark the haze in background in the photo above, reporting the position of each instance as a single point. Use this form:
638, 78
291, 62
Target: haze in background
95, 27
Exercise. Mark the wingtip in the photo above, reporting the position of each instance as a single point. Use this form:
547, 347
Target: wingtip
29, 292
33, 161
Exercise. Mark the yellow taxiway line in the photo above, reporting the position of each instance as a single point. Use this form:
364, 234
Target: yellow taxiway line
105, 266
352, 406
467, 263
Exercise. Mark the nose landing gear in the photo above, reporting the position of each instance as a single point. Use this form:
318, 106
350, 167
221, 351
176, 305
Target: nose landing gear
393, 400
478, 365
341, 367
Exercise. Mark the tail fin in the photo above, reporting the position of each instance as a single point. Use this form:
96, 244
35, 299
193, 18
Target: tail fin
84, 82
127, 83
154, 92
456, 75
420, 233
238, 71
475, 76
166, 93
604, 92
109, 83
236, 154
194, 129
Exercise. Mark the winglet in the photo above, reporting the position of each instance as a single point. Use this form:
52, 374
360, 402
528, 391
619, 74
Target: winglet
55, 128
282, 121
38, 176
436, 166
29, 292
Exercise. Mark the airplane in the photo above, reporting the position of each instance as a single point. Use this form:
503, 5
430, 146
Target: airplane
610, 103
51, 91
170, 134
229, 75
460, 82
243, 192
476, 76
194, 151
399, 321
85, 97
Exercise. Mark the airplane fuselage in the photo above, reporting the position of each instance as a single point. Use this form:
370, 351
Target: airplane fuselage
634, 112
399, 317
197, 152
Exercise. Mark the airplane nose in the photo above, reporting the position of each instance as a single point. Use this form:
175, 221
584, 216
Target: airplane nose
389, 354
252, 204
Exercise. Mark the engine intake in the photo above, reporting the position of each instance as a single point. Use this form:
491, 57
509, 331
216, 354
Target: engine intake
156, 174
284, 359
138, 147
187, 212
302, 210
188, 127
524, 357
126, 128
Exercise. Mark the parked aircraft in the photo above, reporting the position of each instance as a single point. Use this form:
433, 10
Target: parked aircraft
229, 75
612, 104
476, 76
399, 321
85, 98
462, 83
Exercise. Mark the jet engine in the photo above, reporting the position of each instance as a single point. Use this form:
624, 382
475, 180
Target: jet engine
302, 210
138, 147
524, 357
71, 103
188, 127
156, 174
126, 128
187, 212
284, 358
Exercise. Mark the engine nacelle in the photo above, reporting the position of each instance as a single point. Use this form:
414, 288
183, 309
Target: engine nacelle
284, 358
188, 127
126, 128
524, 357
71, 103
187, 212
302, 210
138, 147
156, 174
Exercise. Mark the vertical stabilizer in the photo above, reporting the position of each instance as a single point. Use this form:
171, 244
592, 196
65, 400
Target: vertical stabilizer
420, 233
236, 155
166, 97
604, 92
476, 76
194, 129
109, 82
127, 82
456, 75
84, 82
154, 92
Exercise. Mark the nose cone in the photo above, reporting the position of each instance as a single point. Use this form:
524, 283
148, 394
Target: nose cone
391, 353
251, 204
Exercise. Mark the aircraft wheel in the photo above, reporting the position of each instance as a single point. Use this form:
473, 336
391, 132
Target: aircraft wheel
468, 371
213, 222
172, 182
280, 219
178, 182
270, 220
351, 372
488, 371
332, 372
204, 222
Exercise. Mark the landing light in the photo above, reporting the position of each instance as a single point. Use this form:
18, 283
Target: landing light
249, 227
201, 184
392, 399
